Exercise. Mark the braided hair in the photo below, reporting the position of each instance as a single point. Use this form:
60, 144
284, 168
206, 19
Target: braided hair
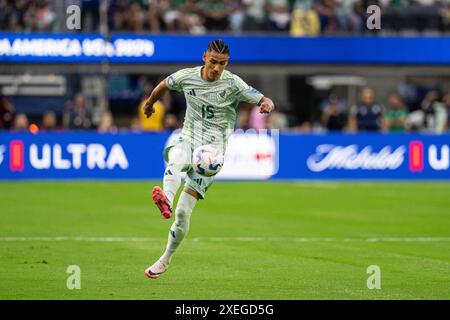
218, 46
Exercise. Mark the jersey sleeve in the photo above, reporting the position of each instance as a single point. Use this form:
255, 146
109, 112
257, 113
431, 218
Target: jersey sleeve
175, 80
246, 93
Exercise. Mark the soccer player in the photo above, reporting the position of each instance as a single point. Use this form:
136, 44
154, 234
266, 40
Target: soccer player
212, 95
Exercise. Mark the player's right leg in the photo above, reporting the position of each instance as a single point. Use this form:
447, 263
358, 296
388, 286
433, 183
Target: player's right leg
178, 160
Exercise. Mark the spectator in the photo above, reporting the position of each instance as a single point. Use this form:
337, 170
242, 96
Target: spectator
49, 121
445, 11
327, 15
6, 112
395, 116
127, 15
367, 114
136, 18
12, 13
175, 104
216, 14
302, 4
77, 115
5, 15
243, 120
38, 16
304, 22
278, 15
191, 19
46, 17
258, 120
424, 15
153, 19
171, 14
277, 120
435, 112
237, 16
106, 123
171, 122
21, 122
431, 118
135, 124
156, 121
14, 23
304, 127
346, 16
395, 14
446, 101
90, 13
255, 15
334, 116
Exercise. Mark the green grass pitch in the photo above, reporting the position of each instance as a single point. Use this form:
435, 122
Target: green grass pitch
248, 240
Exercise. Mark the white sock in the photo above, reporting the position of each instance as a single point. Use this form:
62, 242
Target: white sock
172, 175
180, 227
172, 181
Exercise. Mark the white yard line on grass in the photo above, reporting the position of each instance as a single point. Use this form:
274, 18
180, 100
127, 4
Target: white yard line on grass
219, 239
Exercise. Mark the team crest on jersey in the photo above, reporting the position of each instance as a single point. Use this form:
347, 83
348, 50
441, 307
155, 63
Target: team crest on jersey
170, 81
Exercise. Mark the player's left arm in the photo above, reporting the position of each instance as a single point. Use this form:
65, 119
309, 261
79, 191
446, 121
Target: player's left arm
266, 105
250, 95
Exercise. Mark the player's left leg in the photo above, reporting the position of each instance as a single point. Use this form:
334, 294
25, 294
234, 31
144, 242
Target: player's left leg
178, 231
195, 188
180, 226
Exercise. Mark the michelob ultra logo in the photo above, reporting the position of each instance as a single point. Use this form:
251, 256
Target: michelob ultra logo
71, 156
438, 156
355, 157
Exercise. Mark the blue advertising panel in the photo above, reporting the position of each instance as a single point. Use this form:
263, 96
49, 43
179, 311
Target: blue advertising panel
81, 155
89, 155
262, 49
364, 156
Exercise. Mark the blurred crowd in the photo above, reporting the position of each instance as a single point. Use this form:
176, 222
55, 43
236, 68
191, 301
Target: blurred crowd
367, 115
27, 16
299, 17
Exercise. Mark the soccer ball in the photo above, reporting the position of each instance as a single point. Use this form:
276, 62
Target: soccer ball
207, 160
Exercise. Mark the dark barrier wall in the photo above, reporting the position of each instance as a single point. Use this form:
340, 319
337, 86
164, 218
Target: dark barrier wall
81, 155
132, 49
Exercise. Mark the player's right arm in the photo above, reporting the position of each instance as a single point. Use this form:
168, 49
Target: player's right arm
172, 82
156, 94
